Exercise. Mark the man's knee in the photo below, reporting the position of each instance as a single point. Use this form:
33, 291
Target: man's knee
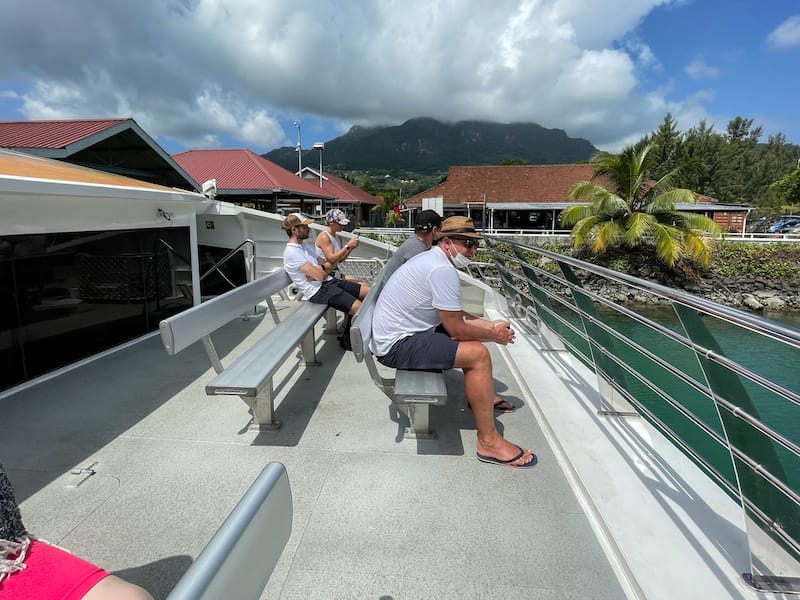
354, 308
363, 291
472, 355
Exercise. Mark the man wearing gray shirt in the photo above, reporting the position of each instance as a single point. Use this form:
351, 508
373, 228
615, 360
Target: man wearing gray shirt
427, 225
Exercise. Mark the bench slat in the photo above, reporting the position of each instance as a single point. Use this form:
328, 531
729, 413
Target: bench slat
426, 387
250, 372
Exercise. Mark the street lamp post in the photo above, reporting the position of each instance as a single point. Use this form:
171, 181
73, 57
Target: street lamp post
321, 147
299, 150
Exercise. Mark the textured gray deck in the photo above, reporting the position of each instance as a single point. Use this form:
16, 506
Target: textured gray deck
375, 517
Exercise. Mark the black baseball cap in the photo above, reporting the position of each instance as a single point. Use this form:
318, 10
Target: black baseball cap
427, 220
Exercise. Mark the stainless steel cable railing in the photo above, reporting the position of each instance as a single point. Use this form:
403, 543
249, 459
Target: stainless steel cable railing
722, 384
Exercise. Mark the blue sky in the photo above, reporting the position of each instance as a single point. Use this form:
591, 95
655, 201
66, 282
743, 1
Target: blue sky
238, 73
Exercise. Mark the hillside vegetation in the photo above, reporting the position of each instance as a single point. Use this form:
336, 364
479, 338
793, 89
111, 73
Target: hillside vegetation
730, 260
426, 148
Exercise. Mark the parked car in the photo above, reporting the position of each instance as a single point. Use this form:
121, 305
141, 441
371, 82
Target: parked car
758, 226
784, 224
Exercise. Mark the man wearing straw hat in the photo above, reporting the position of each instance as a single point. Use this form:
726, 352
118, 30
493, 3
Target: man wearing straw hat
419, 324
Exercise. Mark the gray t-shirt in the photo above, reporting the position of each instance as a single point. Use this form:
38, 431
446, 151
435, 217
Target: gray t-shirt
411, 247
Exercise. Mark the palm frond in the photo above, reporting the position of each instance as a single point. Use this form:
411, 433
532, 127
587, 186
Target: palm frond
581, 190
610, 204
582, 230
607, 234
637, 226
698, 248
678, 196
697, 222
573, 214
668, 244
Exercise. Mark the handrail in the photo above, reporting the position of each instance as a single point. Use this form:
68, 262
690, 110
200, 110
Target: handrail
672, 375
216, 266
175, 252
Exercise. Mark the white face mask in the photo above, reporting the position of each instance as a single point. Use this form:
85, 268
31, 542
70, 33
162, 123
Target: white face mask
459, 260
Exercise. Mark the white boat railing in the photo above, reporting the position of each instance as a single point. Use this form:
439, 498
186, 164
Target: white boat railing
721, 384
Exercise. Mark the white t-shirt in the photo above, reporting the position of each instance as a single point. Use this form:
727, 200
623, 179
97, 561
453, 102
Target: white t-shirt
411, 298
294, 257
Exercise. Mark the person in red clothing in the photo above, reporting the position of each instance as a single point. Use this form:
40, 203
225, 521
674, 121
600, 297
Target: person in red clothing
33, 569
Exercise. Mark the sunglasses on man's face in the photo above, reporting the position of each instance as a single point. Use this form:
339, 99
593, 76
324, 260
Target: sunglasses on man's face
467, 242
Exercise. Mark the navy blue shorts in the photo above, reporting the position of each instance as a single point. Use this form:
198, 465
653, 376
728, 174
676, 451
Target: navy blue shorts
430, 350
338, 293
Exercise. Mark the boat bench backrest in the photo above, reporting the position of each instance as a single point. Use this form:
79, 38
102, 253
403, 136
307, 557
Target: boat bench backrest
182, 330
361, 328
241, 556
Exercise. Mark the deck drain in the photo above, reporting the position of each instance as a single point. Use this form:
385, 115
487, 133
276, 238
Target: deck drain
83, 473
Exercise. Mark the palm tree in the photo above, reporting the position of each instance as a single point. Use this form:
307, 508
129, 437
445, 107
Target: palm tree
634, 211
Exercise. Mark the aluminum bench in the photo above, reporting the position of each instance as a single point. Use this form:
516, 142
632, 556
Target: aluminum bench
250, 375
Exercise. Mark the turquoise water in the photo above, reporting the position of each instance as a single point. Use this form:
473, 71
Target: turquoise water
643, 362
770, 359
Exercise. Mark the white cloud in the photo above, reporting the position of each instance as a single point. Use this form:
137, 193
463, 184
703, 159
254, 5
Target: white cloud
699, 69
207, 71
787, 34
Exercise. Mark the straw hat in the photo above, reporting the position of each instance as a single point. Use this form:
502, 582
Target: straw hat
458, 227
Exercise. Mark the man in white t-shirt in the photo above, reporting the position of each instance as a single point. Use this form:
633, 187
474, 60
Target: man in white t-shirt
312, 276
419, 324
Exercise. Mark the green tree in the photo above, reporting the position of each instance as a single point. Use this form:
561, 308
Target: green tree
510, 160
700, 160
390, 199
775, 160
737, 182
633, 211
668, 141
787, 188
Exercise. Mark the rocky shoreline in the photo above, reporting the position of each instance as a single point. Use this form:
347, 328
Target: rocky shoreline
751, 294
754, 295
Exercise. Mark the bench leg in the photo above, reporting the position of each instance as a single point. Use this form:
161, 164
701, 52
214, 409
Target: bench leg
309, 349
264, 410
331, 319
418, 416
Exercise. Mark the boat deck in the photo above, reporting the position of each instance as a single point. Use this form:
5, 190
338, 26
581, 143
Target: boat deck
375, 516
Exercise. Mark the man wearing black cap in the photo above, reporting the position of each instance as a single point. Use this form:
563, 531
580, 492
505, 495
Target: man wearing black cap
419, 324
425, 228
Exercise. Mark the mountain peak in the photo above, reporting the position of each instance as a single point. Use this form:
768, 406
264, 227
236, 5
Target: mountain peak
428, 146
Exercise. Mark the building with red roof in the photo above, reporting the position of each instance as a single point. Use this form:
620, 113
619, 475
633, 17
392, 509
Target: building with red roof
532, 196
244, 177
349, 197
117, 146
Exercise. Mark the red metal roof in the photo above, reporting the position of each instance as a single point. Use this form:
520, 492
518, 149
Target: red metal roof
341, 189
241, 169
512, 183
50, 134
